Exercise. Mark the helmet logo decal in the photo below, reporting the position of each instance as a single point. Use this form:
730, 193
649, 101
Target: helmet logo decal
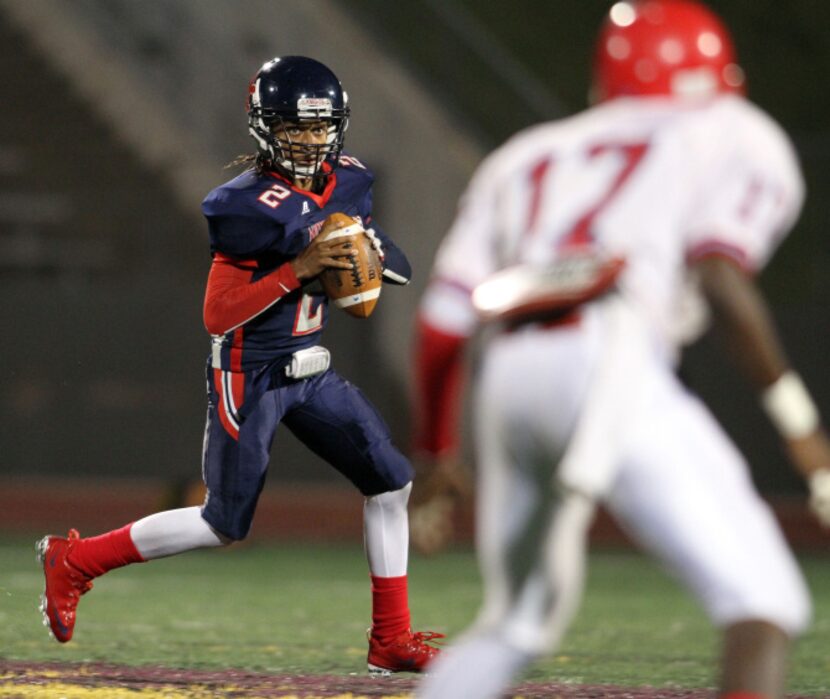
253, 93
314, 107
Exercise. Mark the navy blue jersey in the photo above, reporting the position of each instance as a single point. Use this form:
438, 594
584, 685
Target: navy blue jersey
262, 222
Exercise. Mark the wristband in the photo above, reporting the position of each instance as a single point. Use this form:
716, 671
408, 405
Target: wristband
819, 482
789, 406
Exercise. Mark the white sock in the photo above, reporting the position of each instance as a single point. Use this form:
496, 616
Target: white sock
481, 666
386, 532
171, 532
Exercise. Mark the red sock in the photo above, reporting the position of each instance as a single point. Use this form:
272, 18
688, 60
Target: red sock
98, 554
390, 607
742, 695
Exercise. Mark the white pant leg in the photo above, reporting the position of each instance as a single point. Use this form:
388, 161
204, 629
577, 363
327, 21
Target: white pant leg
684, 492
173, 531
530, 532
481, 666
386, 532
531, 541
533, 583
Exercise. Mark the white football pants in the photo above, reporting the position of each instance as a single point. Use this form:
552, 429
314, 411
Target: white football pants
676, 484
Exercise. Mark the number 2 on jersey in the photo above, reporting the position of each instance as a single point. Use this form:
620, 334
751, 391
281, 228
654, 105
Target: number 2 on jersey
306, 321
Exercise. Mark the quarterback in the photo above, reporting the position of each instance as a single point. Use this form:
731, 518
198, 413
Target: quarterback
265, 314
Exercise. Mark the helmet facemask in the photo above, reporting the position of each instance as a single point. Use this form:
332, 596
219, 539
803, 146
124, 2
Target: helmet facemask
298, 159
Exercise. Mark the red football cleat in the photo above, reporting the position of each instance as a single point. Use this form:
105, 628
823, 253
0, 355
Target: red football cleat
409, 652
64, 584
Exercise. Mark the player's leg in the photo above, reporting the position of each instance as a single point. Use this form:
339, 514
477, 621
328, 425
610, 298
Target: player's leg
237, 447
531, 542
527, 607
386, 532
685, 494
754, 660
386, 542
234, 463
531, 532
393, 646
338, 423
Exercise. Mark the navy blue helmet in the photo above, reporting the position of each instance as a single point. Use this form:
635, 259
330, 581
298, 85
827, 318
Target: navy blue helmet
291, 90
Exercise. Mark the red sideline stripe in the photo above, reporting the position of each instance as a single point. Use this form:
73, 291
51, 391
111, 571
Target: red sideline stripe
236, 353
224, 418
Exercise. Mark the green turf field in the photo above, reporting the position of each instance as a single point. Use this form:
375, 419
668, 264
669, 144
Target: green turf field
305, 609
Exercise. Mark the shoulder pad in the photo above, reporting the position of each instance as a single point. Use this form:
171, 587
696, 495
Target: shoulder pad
239, 222
350, 166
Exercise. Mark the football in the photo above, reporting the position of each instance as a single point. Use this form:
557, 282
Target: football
357, 290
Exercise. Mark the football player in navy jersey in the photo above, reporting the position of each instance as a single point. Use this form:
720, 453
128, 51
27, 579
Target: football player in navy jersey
265, 315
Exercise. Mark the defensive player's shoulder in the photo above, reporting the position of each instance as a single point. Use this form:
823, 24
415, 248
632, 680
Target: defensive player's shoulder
732, 127
747, 122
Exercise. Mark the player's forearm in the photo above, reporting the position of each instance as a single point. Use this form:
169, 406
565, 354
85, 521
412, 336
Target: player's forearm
231, 299
396, 267
742, 318
741, 313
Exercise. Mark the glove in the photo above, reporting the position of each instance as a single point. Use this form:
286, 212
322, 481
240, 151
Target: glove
811, 457
819, 484
431, 524
376, 243
440, 487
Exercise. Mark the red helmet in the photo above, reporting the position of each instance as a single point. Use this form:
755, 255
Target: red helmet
664, 47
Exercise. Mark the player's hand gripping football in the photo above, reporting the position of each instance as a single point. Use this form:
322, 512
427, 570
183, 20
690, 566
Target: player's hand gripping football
440, 486
811, 456
321, 254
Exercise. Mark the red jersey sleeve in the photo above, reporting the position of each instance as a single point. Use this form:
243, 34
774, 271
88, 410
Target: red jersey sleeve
438, 387
232, 299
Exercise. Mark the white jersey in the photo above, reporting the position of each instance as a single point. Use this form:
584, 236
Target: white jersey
592, 403
655, 181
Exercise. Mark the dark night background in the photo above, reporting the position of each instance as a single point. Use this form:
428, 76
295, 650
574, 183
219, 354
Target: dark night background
102, 267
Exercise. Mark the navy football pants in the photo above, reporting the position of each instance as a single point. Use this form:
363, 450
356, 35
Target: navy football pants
327, 413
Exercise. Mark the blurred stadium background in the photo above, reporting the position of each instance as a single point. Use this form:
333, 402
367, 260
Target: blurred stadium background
119, 115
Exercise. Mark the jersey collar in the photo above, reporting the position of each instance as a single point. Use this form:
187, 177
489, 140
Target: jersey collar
320, 199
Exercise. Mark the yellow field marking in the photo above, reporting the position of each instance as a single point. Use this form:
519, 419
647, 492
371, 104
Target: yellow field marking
61, 690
